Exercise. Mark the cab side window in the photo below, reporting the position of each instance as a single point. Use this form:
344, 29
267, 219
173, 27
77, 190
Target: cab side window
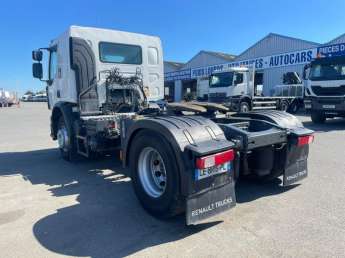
153, 58
52, 65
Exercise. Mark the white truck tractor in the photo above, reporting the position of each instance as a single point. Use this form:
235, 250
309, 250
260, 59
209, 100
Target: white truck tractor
325, 88
239, 89
101, 87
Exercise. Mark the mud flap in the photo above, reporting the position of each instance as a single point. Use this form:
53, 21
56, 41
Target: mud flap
295, 172
210, 203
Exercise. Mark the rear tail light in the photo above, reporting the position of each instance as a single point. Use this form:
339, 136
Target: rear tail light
303, 140
216, 159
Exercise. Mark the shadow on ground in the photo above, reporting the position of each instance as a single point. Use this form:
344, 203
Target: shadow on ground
250, 190
107, 221
336, 124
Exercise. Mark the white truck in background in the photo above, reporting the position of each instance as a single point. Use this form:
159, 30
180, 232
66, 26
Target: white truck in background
325, 88
238, 89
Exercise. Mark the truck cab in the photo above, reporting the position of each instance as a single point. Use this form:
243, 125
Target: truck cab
241, 89
80, 59
230, 83
325, 88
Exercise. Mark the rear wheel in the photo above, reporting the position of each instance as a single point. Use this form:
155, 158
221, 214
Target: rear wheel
155, 175
244, 107
318, 117
66, 141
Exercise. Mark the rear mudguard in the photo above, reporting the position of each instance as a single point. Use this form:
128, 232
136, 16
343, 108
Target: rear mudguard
189, 137
291, 160
280, 118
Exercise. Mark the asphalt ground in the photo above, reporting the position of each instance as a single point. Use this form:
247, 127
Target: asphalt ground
52, 208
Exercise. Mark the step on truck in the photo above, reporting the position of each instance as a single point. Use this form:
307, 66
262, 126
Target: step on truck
239, 89
102, 86
325, 88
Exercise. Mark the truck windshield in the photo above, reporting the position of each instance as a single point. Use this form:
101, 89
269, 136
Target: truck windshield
120, 53
322, 72
221, 79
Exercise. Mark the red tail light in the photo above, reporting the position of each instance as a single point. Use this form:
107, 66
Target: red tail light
303, 140
216, 159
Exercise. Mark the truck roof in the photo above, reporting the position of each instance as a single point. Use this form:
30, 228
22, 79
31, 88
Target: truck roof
104, 34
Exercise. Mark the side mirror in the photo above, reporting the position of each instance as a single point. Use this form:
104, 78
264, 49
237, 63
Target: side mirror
37, 70
304, 75
37, 55
238, 78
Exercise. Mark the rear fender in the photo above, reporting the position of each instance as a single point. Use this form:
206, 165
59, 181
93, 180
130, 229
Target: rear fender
189, 137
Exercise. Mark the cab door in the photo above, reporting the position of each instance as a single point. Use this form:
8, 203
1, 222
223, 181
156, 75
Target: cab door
53, 89
239, 85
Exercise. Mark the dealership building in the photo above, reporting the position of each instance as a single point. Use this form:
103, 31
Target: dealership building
271, 56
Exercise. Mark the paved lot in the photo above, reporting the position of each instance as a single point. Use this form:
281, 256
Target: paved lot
51, 208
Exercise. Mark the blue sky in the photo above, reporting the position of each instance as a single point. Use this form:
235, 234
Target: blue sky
185, 27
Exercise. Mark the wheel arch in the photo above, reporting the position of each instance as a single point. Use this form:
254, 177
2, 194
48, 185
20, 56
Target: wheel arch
246, 99
187, 137
61, 109
160, 131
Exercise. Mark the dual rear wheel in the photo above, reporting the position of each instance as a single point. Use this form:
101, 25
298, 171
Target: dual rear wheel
154, 173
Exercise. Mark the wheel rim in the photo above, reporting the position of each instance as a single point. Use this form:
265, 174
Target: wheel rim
244, 108
284, 107
152, 172
62, 137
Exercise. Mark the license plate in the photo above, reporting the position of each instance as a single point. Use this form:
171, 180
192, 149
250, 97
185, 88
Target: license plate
207, 172
210, 203
308, 106
328, 106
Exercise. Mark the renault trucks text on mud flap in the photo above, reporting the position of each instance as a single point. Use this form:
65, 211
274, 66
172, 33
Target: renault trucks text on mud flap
101, 85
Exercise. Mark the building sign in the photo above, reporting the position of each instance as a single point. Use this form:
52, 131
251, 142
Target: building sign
273, 61
178, 75
266, 62
331, 50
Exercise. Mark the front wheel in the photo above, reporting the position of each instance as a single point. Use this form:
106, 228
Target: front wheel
244, 107
318, 117
66, 141
284, 105
155, 174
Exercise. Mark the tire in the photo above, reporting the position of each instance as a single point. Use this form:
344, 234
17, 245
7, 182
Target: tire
294, 107
244, 107
317, 117
66, 140
160, 200
284, 105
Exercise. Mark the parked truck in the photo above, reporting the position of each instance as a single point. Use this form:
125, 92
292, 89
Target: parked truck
325, 88
101, 88
8, 99
240, 90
